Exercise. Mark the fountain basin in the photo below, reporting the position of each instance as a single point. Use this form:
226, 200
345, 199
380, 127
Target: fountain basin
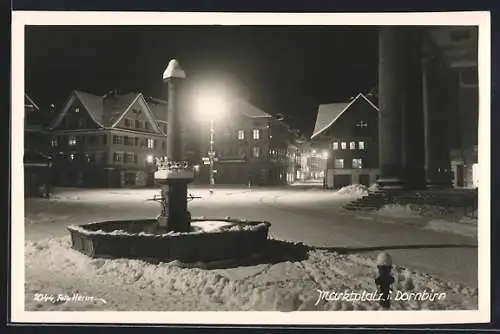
209, 239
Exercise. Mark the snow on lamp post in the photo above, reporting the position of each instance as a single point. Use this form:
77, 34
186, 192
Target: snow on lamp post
211, 105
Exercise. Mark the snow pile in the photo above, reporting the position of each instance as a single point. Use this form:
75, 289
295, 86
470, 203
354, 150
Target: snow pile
210, 225
412, 210
197, 227
430, 210
398, 211
53, 268
354, 190
373, 187
470, 219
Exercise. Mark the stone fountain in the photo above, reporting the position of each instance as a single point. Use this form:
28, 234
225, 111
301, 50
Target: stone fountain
174, 234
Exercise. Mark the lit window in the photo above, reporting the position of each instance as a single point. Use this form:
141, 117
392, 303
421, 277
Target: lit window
256, 151
362, 124
151, 143
339, 163
117, 157
72, 156
77, 109
352, 145
343, 145
256, 133
361, 145
72, 141
335, 145
241, 134
357, 163
53, 142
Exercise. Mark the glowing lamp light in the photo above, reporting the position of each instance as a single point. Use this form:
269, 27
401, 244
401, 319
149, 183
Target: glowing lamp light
149, 159
325, 155
196, 168
210, 104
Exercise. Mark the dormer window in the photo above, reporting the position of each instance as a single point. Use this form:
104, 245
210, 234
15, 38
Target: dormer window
77, 109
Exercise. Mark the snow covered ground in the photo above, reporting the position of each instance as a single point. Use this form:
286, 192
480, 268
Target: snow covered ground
291, 283
72, 281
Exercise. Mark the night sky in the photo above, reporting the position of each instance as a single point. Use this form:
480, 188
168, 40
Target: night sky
284, 69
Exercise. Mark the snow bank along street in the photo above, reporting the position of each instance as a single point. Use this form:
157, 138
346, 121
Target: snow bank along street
340, 258
54, 269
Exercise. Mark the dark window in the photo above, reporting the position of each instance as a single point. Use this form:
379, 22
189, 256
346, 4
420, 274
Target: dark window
137, 124
127, 123
117, 139
136, 141
163, 145
129, 141
104, 139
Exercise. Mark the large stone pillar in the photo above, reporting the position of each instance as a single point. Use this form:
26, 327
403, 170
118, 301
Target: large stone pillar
178, 218
437, 105
401, 142
390, 114
412, 108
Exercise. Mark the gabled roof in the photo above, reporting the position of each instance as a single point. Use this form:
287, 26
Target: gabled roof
116, 106
158, 108
249, 109
106, 111
26, 97
93, 104
329, 113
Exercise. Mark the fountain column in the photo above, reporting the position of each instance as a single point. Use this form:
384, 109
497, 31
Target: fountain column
175, 176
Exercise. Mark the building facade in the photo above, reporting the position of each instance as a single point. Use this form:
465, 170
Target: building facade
252, 147
106, 140
37, 164
350, 132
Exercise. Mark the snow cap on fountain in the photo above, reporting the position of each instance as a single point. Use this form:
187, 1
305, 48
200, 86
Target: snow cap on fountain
384, 259
174, 70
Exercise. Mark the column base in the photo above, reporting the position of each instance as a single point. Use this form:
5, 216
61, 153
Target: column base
391, 184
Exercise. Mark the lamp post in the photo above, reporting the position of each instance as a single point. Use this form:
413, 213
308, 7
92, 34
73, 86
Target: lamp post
211, 152
211, 104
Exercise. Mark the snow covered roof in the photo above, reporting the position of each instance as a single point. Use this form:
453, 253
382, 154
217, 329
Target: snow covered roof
249, 109
28, 100
107, 110
158, 108
174, 70
93, 104
115, 107
329, 113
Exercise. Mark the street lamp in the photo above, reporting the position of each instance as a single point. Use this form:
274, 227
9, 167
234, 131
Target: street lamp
211, 105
